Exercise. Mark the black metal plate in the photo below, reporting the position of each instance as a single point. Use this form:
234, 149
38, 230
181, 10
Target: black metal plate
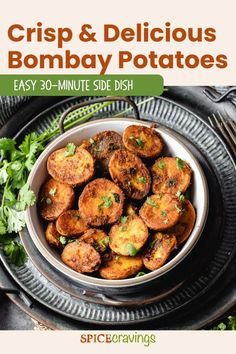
164, 109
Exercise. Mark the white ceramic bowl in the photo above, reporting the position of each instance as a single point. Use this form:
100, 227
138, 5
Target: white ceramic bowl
174, 146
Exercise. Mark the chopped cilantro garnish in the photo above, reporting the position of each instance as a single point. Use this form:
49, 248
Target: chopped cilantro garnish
123, 228
179, 163
63, 240
164, 213
142, 179
161, 164
48, 201
92, 142
70, 149
107, 202
123, 219
140, 274
139, 142
151, 202
131, 250
53, 191
178, 208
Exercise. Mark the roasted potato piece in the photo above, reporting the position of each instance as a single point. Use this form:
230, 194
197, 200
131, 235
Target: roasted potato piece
161, 245
143, 141
170, 175
52, 236
184, 227
128, 236
161, 211
81, 257
130, 209
54, 199
121, 267
97, 238
101, 202
102, 146
70, 223
130, 173
73, 166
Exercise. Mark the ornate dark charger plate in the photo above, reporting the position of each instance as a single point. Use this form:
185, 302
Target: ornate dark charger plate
187, 124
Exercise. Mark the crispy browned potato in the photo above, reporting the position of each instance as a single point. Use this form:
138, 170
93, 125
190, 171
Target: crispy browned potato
73, 166
121, 267
81, 257
102, 146
130, 173
170, 175
128, 236
130, 209
161, 245
184, 227
70, 223
52, 236
54, 199
161, 211
143, 141
97, 238
101, 202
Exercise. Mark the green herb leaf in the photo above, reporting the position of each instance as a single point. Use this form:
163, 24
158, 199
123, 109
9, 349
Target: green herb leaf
53, 191
139, 142
70, 149
151, 202
15, 253
180, 210
142, 179
180, 163
3, 228
107, 202
63, 240
7, 144
180, 196
132, 250
105, 242
161, 164
123, 219
92, 142
15, 220
48, 201
26, 198
139, 274
77, 216
123, 228
164, 213
165, 221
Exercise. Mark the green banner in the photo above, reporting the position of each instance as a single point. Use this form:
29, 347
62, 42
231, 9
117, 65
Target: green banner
81, 85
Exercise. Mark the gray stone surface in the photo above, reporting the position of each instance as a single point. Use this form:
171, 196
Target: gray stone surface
12, 318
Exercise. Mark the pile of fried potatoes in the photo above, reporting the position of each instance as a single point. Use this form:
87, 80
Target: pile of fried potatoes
115, 206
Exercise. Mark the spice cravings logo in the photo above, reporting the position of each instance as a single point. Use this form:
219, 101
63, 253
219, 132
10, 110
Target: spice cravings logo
116, 338
65, 58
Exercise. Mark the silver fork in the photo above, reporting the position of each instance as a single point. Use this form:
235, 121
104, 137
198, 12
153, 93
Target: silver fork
226, 127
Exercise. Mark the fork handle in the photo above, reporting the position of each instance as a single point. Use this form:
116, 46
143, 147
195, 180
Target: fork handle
209, 94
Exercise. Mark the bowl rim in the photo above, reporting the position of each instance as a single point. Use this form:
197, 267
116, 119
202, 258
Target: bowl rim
129, 282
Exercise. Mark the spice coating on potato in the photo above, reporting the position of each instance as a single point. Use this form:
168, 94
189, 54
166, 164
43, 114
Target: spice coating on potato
128, 236
70, 223
184, 227
102, 146
81, 257
130, 173
121, 267
73, 168
161, 245
101, 202
54, 199
143, 141
97, 238
52, 236
130, 209
161, 211
170, 175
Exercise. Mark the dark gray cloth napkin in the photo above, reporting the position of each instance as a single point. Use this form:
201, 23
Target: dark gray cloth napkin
9, 105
